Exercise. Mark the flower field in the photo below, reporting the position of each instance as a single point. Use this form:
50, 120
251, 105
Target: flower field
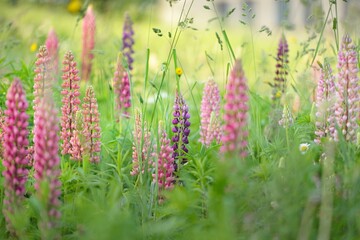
116, 124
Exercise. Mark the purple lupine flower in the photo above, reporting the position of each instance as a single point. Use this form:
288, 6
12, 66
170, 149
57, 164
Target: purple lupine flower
164, 165
52, 45
235, 131
347, 103
279, 85
15, 145
324, 103
43, 80
91, 131
141, 147
181, 130
121, 84
88, 37
210, 111
47, 165
128, 40
70, 101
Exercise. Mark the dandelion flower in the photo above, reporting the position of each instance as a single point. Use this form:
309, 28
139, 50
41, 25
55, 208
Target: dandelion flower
179, 71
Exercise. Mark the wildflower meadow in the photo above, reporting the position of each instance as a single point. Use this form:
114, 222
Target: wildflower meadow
179, 119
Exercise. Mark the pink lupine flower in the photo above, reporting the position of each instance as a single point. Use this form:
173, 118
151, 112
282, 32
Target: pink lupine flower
324, 103
210, 111
91, 131
122, 88
347, 103
76, 151
164, 163
141, 147
47, 169
52, 45
15, 144
2, 122
44, 77
235, 131
70, 101
88, 37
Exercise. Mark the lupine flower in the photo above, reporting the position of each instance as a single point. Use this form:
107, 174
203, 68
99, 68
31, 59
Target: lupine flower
141, 147
43, 79
47, 169
88, 38
2, 122
279, 85
164, 165
122, 88
77, 140
70, 101
181, 130
210, 111
235, 131
324, 100
128, 40
15, 142
52, 45
287, 119
347, 103
92, 128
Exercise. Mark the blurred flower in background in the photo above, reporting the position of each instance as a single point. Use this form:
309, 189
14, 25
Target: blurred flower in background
33, 47
74, 6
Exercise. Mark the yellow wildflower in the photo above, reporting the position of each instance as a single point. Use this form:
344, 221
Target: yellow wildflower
74, 6
33, 47
278, 94
178, 71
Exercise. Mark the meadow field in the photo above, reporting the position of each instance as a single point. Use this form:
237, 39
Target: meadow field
116, 124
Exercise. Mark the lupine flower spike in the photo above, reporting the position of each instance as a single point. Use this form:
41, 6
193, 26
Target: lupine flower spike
181, 130
92, 128
235, 131
287, 119
15, 144
2, 122
88, 38
47, 169
280, 80
324, 103
141, 147
70, 101
128, 40
77, 140
52, 44
347, 104
122, 88
163, 165
210, 111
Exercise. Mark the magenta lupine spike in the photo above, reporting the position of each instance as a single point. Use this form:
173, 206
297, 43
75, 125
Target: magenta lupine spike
88, 37
128, 40
235, 132
44, 76
52, 45
91, 131
122, 88
279, 85
2, 122
210, 113
15, 144
324, 103
181, 130
141, 145
347, 103
70, 101
47, 164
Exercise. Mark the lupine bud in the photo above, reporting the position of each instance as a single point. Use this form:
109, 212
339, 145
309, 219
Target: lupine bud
128, 40
92, 128
181, 129
210, 111
235, 131
52, 44
287, 119
141, 147
47, 165
70, 101
88, 37
122, 88
324, 104
347, 103
280, 80
15, 143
